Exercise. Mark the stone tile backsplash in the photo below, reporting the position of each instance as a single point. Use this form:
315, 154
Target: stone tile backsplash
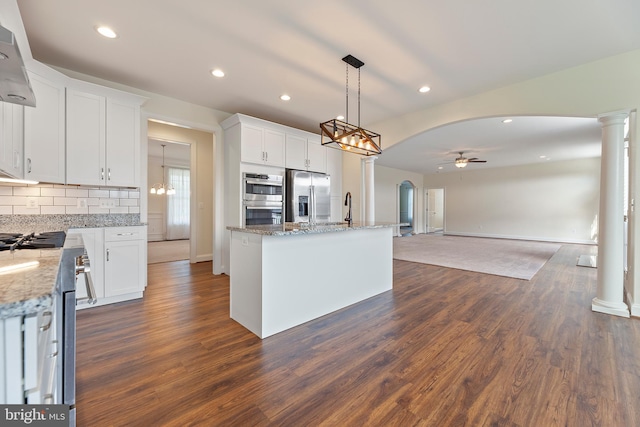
48, 199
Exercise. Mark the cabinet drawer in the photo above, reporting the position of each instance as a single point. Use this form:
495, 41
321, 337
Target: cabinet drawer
116, 234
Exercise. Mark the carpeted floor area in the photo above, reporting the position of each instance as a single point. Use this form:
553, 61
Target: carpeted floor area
520, 259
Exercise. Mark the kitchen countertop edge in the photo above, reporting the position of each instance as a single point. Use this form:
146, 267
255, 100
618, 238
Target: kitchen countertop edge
292, 229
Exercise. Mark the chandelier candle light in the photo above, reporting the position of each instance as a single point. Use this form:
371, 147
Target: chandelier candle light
161, 189
345, 136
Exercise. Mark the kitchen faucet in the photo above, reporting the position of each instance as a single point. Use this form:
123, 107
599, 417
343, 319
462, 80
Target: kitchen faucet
347, 202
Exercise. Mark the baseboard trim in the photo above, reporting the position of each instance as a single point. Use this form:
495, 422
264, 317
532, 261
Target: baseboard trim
111, 300
635, 307
204, 258
530, 238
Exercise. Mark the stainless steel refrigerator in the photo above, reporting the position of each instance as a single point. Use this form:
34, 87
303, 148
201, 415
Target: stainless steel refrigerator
307, 196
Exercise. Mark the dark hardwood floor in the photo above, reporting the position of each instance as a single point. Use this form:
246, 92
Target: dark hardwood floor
444, 348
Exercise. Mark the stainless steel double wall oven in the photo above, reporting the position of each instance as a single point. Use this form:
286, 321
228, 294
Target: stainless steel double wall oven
262, 199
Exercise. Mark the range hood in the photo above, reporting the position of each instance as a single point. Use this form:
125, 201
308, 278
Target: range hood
14, 82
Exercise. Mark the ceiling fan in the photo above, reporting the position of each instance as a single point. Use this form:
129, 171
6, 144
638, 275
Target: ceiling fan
462, 161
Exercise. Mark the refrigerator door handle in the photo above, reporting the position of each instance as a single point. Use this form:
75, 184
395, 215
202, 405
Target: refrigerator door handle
312, 205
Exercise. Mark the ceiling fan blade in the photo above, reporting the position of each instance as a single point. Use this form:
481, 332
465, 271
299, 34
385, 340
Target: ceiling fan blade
477, 161
472, 159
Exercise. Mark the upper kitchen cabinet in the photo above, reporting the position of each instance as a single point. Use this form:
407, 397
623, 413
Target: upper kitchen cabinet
11, 139
103, 136
259, 141
305, 153
259, 145
44, 126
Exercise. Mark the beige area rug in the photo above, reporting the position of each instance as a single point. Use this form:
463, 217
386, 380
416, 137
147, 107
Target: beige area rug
520, 259
166, 251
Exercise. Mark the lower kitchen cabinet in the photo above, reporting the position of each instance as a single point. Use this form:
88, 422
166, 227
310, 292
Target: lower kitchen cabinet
125, 260
118, 258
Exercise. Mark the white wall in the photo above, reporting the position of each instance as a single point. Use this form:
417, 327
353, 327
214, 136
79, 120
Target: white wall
553, 201
387, 181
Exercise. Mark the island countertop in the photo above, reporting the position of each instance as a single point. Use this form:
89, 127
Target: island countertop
295, 228
27, 290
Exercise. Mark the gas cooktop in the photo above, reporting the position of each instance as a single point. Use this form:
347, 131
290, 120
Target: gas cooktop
13, 241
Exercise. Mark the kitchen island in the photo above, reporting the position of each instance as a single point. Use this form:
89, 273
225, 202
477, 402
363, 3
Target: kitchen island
285, 275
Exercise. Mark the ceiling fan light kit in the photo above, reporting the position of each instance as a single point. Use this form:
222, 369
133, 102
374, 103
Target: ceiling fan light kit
461, 162
348, 137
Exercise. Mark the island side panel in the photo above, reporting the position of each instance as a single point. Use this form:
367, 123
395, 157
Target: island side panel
246, 280
310, 275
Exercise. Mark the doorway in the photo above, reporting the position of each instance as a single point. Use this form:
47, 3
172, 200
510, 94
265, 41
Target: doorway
169, 215
406, 208
434, 210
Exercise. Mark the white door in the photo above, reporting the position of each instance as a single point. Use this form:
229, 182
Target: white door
435, 210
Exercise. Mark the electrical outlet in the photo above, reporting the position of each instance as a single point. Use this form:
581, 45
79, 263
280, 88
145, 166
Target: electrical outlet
108, 203
81, 203
32, 202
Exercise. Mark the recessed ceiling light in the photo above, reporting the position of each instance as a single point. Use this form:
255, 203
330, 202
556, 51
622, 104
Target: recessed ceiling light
424, 89
340, 118
285, 97
217, 72
106, 32
440, 167
543, 157
507, 120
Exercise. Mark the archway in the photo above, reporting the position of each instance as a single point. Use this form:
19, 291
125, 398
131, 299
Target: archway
406, 208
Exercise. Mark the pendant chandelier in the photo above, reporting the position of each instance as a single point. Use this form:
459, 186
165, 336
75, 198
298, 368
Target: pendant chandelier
345, 136
161, 189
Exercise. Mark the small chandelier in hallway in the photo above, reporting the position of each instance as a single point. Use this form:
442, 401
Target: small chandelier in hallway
163, 188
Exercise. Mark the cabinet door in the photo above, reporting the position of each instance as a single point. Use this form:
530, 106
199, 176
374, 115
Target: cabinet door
334, 169
125, 262
123, 144
85, 138
251, 144
11, 139
44, 132
296, 152
274, 148
316, 156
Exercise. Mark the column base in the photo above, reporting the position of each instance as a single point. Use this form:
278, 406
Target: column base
616, 309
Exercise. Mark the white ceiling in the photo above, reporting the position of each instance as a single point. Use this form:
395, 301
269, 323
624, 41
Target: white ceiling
268, 48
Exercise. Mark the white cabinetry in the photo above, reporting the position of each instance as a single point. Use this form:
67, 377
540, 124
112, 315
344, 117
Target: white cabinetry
125, 269
262, 146
44, 129
305, 153
118, 262
334, 169
11, 139
103, 135
28, 351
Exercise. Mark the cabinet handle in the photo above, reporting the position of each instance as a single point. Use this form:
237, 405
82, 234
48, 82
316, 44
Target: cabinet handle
55, 353
266, 156
124, 234
107, 254
28, 165
48, 325
101, 174
109, 174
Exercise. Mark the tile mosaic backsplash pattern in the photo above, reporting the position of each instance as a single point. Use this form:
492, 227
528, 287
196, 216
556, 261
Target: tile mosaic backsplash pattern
54, 199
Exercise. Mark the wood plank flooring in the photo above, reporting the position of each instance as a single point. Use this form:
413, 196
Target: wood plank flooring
445, 348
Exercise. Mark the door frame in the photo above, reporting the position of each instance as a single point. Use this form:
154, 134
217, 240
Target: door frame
427, 210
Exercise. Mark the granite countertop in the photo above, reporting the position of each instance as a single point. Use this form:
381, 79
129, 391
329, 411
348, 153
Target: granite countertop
294, 228
27, 290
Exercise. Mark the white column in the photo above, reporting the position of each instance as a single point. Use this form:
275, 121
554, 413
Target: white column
369, 190
610, 291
